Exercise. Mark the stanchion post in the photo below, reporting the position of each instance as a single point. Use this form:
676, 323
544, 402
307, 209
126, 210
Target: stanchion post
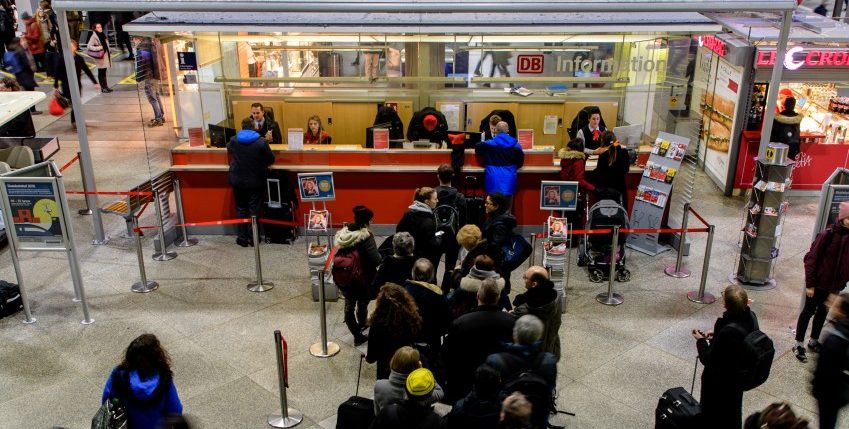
143, 285
531, 260
87, 209
323, 349
287, 417
163, 254
700, 296
609, 297
259, 285
186, 242
677, 271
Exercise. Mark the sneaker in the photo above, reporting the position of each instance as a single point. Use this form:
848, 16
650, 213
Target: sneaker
814, 346
799, 351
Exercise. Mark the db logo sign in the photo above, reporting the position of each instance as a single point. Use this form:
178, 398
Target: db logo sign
530, 64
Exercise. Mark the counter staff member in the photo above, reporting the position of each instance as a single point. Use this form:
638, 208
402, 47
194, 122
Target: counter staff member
249, 156
315, 133
263, 125
591, 134
783, 94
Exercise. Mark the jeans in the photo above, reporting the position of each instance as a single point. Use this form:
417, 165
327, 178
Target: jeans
814, 306
247, 204
153, 98
356, 313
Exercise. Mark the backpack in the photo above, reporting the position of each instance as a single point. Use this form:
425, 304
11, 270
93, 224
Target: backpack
10, 298
447, 219
347, 271
110, 415
533, 386
756, 354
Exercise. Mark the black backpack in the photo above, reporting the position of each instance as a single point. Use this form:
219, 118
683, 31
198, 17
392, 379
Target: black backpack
10, 298
756, 354
527, 381
447, 219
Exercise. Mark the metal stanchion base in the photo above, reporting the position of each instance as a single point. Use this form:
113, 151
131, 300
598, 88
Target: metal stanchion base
671, 272
293, 419
87, 322
260, 287
706, 299
167, 256
139, 287
100, 242
84, 212
189, 242
332, 349
768, 285
614, 299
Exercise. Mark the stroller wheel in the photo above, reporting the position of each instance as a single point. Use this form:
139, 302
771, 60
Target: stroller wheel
623, 275
596, 275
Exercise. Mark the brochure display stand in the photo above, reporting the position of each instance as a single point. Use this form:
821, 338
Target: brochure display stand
654, 190
764, 218
318, 187
557, 196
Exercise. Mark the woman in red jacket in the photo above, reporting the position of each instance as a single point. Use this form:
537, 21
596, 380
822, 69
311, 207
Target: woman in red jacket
572, 164
35, 44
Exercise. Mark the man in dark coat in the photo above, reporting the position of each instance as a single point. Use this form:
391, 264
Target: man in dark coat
250, 156
472, 338
436, 316
481, 408
830, 382
501, 158
448, 195
785, 128
719, 351
428, 124
263, 125
17, 61
826, 273
542, 301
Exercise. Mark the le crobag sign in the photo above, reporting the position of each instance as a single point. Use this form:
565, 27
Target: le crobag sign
799, 57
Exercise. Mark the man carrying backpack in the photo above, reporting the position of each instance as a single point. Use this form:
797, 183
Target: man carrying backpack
720, 351
354, 267
526, 368
450, 216
831, 377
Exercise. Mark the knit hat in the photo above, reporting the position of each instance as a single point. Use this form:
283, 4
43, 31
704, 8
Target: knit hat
786, 91
429, 122
420, 383
362, 215
843, 211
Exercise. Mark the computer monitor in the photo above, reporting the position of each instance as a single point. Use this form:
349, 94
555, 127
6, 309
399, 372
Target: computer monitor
219, 136
629, 135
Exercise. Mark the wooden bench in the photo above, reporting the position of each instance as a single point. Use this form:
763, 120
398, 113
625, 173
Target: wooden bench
129, 206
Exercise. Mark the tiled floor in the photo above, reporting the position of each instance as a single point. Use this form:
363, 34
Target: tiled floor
616, 360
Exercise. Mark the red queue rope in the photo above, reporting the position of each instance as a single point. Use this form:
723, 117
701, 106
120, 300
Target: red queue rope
638, 230
330, 258
699, 217
285, 361
134, 193
69, 163
210, 223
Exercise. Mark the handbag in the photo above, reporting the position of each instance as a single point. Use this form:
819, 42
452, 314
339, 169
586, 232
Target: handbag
95, 51
516, 251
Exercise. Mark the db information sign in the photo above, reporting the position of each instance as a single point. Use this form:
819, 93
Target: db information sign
530, 64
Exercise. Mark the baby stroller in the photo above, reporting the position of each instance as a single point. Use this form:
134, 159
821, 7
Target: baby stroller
595, 252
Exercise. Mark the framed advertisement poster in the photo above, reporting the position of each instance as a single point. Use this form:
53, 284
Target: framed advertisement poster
36, 214
316, 186
557, 195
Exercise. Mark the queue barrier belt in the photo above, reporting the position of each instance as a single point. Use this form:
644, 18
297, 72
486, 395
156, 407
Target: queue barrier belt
330, 258
638, 230
699, 217
69, 163
285, 346
134, 193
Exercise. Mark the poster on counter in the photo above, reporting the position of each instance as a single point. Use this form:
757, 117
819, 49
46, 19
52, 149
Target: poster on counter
549, 124
380, 138
526, 138
316, 186
558, 195
452, 115
35, 219
719, 108
295, 138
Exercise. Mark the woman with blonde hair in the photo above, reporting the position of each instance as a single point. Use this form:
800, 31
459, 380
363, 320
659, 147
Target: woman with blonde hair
472, 245
315, 133
392, 390
395, 322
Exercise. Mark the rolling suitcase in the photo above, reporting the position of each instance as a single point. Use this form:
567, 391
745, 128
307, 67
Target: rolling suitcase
357, 412
475, 199
677, 408
276, 209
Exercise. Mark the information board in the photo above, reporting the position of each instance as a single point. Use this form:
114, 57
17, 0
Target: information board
35, 220
838, 194
654, 190
316, 186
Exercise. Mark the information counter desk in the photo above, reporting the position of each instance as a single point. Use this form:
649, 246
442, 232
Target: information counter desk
383, 180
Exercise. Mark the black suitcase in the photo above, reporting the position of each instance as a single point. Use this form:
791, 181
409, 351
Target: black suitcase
357, 412
10, 299
274, 208
677, 408
475, 199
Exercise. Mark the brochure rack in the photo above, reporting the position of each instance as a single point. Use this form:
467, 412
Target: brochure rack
557, 254
763, 221
317, 224
654, 190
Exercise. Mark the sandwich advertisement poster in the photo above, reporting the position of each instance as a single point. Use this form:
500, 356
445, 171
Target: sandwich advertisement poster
718, 104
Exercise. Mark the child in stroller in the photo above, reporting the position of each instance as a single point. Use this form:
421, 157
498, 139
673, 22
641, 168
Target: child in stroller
595, 251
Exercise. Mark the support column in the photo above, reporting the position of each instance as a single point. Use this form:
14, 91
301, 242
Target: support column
777, 70
77, 104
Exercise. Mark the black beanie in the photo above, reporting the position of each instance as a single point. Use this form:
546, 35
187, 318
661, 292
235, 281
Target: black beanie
362, 215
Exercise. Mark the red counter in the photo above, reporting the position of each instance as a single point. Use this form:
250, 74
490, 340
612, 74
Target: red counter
815, 163
382, 180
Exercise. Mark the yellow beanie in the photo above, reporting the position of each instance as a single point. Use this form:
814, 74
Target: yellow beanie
420, 382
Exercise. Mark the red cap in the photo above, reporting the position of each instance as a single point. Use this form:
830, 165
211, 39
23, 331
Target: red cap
429, 122
786, 91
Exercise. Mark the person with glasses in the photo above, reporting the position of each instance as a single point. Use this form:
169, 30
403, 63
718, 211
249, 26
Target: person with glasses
497, 230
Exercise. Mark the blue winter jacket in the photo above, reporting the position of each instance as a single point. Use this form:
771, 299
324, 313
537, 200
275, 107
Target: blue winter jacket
250, 156
501, 157
146, 401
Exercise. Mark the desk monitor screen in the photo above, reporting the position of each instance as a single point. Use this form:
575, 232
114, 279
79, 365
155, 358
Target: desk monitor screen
629, 135
219, 136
